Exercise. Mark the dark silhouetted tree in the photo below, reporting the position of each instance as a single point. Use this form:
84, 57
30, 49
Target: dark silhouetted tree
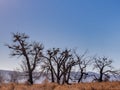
59, 63
83, 62
104, 67
31, 52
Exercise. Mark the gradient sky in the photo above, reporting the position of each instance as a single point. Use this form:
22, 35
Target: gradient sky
81, 24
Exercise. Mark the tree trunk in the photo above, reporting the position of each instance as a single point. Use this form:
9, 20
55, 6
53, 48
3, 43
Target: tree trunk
58, 74
30, 78
81, 76
101, 76
68, 77
29, 68
52, 76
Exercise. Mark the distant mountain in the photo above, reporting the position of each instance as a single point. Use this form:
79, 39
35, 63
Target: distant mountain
6, 75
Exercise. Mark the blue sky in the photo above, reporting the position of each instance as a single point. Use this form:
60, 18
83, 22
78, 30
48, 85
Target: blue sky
82, 24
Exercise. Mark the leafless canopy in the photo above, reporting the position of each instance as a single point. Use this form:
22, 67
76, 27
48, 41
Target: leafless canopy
59, 63
31, 52
104, 66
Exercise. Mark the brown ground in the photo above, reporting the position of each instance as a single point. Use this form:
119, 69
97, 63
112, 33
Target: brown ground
53, 86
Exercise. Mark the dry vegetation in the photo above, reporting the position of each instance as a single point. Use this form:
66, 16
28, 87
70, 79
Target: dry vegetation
53, 86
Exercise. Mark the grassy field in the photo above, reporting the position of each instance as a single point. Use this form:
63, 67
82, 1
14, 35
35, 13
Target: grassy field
53, 86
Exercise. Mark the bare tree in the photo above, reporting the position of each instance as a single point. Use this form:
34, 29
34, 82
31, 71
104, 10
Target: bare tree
48, 64
68, 63
31, 52
104, 67
83, 62
59, 63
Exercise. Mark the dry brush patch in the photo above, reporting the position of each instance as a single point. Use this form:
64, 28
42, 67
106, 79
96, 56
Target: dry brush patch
54, 86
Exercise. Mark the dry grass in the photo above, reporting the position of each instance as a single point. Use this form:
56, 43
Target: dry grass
53, 86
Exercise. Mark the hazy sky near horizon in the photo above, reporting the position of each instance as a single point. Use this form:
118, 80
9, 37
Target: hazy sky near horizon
81, 24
